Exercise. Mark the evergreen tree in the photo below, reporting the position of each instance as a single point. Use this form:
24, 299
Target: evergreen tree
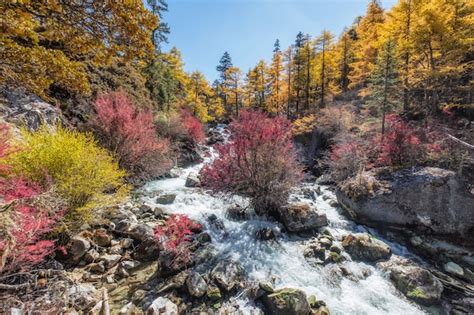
384, 84
160, 33
225, 63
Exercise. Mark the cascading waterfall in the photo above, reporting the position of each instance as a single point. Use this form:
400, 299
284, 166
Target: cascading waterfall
282, 260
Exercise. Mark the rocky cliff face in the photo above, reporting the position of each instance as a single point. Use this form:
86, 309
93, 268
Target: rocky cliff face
428, 200
23, 109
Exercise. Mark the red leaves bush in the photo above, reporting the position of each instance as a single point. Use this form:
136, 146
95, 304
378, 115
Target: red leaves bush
131, 135
403, 145
24, 221
192, 126
175, 236
258, 162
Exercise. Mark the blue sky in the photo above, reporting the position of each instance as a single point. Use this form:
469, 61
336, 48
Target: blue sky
203, 29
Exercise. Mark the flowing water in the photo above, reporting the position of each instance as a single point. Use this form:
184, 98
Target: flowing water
283, 260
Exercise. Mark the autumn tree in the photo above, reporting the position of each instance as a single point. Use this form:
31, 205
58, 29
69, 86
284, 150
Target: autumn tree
233, 89
166, 79
323, 43
257, 85
199, 95
345, 56
275, 72
43, 44
299, 75
288, 59
366, 46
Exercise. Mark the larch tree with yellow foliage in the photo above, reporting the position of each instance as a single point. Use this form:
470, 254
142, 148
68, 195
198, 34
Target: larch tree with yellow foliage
43, 43
275, 80
366, 46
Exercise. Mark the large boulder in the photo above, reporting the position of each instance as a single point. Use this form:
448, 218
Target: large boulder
365, 247
77, 248
426, 199
286, 301
300, 217
417, 284
21, 108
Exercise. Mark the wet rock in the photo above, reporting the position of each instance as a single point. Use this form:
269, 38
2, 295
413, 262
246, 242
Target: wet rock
203, 238
192, 180
166, 199
196, 285
286, 301
265, 234
213, 293
335, 249
325, 242
101, 238
417, 284
300, 217
169, 265
365, 247
141, 232
110, 260
321, 310
162, 306
315, 251
217, 223
423, 198
159, 213
333, 203
266, 286
77, 248
236, 213
226, 274
454, 269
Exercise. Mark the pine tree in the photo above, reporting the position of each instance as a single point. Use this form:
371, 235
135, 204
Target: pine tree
225, 63
160, 33
384, 84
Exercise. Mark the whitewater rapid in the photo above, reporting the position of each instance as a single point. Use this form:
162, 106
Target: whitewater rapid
282, 261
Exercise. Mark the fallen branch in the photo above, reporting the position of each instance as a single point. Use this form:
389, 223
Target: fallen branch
467, 145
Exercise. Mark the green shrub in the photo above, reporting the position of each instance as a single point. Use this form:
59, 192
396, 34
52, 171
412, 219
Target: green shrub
84, 174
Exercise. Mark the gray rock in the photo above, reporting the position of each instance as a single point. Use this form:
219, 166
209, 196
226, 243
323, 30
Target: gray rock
300, 217
192, 180
422, 198
141, 232
286, 301
162, 306
22, 108
226, 274
91, 256
126, 243
110, 260
365, 247
77, 248
236, 213
129, 264
454, 269
417, 284
196, 285
165, 199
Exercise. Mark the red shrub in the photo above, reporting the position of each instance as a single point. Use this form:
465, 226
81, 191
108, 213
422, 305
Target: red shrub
175, 236
192, 126
23, 224
345, 159
258, 162
131, 135
400, 145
